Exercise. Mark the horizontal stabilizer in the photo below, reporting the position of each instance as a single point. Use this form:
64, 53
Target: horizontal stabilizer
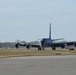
58, 39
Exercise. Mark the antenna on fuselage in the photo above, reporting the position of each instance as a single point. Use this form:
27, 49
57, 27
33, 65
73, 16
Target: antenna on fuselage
50, 32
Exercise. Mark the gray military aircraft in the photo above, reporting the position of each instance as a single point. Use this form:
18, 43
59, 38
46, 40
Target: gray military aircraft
47, 42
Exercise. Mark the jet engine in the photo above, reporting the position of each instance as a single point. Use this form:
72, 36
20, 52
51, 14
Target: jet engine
17, 45
62, 46
74, 44
28, 46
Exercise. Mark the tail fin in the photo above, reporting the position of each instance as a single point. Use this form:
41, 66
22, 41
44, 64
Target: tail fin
50, 32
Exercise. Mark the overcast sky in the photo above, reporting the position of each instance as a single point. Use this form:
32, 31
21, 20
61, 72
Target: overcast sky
29, 19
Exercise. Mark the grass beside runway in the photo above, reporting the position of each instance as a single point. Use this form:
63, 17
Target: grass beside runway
5, 53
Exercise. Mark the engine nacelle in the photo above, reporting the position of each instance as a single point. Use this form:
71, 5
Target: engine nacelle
74, 44
28, 46
62, 46
17, 45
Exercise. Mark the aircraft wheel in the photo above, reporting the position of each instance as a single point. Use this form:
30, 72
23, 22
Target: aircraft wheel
71, 49
53, 48
39, 48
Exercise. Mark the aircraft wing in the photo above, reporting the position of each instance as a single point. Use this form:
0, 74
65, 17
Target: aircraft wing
62, 44
17, 45
27, 45
35, 46
58, 39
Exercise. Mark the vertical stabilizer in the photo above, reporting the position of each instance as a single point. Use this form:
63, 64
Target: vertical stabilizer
50, 32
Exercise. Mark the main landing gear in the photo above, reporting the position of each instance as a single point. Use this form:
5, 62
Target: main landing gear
41, 48
53, 48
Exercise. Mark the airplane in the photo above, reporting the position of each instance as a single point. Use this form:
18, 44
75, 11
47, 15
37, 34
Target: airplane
48, 42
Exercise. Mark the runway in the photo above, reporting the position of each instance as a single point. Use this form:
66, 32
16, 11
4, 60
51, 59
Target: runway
39, 65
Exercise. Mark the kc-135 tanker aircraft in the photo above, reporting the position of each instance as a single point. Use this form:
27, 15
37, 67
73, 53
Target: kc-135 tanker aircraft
48, 42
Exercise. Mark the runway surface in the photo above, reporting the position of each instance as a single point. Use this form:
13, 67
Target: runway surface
39, 65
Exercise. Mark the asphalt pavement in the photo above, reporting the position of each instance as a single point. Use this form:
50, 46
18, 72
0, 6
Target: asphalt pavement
39, 65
